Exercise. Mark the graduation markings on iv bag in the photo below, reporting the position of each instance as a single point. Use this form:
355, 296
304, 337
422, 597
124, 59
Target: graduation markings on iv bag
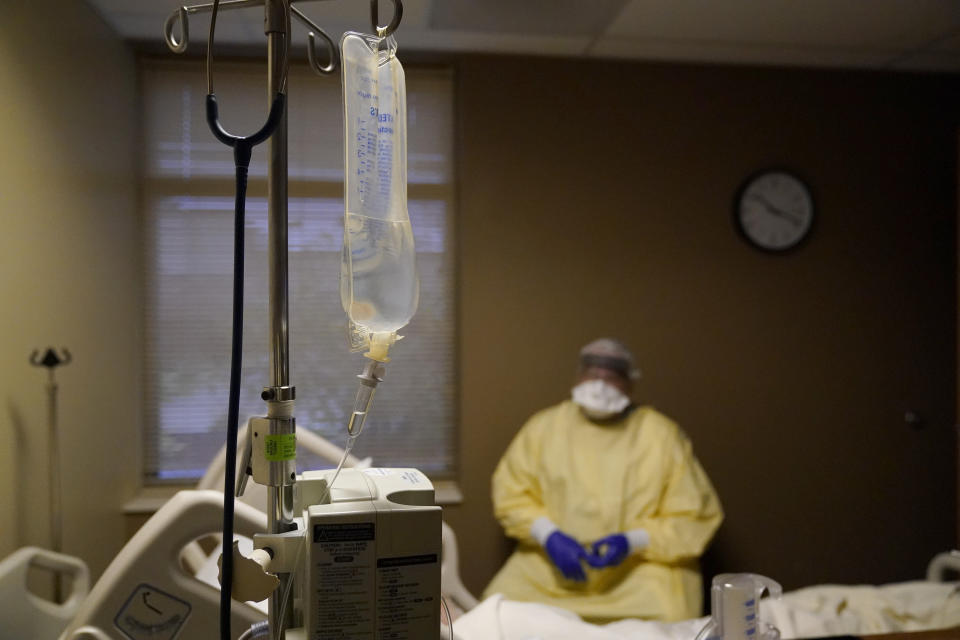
374, 144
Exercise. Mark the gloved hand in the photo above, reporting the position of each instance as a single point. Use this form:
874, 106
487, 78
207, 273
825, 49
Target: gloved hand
609, 551
567, 554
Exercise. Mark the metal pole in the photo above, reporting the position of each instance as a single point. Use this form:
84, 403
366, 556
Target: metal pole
56, 520
277, 204
279, 498
51, 360
56, 508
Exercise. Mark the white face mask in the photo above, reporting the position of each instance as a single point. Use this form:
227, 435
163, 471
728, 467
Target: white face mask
599, 400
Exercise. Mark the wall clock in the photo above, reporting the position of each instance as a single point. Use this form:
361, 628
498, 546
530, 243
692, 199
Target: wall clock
774, 210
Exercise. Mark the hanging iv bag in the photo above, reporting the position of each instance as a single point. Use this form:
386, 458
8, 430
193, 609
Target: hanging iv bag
379, 288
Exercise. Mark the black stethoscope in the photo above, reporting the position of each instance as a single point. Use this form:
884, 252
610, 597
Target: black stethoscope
243, 145
242, 151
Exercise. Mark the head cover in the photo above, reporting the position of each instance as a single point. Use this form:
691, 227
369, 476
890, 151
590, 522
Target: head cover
611, 354
599, 399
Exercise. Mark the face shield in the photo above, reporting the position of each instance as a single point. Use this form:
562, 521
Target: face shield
604, 378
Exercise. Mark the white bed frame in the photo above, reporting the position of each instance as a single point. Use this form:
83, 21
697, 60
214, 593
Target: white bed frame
941, 564
450, 583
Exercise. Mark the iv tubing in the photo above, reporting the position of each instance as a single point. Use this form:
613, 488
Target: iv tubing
369, 379
443, 601
336, 473
286, 592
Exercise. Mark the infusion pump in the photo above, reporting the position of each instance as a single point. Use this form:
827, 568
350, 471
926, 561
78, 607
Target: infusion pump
367, 556
365, 559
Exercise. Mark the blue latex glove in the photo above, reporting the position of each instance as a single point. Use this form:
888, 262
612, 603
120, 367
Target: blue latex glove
566, 553
609, 551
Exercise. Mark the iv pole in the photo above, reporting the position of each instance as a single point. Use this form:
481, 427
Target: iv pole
279, 499
51, 361
280, 395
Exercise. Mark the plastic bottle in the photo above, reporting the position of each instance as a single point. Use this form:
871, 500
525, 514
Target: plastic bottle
735, 608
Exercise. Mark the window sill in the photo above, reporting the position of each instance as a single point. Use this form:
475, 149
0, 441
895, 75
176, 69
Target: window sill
150, 498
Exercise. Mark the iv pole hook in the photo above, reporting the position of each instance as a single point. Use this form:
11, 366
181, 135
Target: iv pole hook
313, 45
178, 42
177, 45
383, 32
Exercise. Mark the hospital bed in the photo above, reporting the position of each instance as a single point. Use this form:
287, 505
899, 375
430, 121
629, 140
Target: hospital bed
25, 614
812, 612
181, 559
172, 549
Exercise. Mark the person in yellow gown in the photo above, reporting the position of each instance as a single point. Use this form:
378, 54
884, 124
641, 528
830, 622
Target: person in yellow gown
609, 506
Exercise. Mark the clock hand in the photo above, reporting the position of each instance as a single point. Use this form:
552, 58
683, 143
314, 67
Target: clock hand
780, 213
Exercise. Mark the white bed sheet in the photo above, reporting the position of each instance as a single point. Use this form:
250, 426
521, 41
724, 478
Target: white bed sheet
810, 612
840, 609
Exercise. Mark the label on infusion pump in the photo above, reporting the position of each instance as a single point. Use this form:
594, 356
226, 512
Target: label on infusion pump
410, 476
362, 597
377, 471
345, 566
405, 605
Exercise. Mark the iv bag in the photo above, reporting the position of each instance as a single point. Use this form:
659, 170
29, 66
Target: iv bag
379, 288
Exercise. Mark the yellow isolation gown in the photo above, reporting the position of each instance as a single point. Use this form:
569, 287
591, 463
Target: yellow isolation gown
593, 479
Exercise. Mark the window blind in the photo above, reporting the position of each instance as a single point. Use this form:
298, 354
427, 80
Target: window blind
188, 218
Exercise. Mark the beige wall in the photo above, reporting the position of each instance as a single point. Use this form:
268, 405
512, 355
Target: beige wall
595, 199
69, 253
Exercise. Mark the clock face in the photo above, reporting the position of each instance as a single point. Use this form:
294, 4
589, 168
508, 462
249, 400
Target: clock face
774, 210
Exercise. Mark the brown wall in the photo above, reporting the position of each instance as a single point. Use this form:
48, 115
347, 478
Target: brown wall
595, 199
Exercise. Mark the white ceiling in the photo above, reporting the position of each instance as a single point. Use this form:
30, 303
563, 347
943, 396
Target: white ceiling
878, 34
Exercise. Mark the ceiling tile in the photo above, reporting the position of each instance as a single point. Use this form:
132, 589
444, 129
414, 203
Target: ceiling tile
143, 19
240, 26
847, 33
538, 17
107, 7
354, 15
847, 24
434, 40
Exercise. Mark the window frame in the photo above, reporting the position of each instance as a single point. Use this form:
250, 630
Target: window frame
153, 188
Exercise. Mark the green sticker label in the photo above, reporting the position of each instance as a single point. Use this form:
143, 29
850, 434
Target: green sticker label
280, 447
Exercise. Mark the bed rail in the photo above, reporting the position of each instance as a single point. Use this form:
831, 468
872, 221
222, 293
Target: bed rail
941, 564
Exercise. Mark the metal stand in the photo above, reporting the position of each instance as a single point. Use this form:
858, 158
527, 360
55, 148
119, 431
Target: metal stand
51, 361
280, 395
